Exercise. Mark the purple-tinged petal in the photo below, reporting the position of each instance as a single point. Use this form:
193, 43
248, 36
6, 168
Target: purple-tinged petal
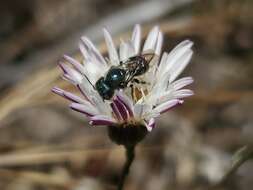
93, 50
65, 68
102, 120
183, 93
122, 109
164, 107
71, 73
171, 106
171, 94
150, 125
126, 101
178, 84
62, 66
84, 50
116, 111
69, 79
67, 95
58, 91
84, 93
76, 64
87, 110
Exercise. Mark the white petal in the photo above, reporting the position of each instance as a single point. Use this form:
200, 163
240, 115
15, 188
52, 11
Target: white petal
84, 51
93, 51
93, 71
136, 38
94, 64
113, 55
126, 50
140, 110
165, 106
162, 62
130, 50
159, 44
151, 115
94, 97
102, 120
103, 107
78, 66
182, 93
181, 83
123, 51
162, 83
150, 125
173, 57
171, 94
159, 83
89, 110
182, 63
151, 40
71, 74
70, 96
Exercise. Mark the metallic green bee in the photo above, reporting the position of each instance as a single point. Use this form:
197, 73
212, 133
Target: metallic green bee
118, 77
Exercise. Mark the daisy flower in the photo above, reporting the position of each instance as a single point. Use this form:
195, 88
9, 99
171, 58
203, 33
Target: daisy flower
139, 105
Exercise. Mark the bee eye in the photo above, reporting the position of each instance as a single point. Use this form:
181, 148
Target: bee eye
104, 90
115, 77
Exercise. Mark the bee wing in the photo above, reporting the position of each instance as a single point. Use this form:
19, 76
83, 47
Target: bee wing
150, 57
130, 75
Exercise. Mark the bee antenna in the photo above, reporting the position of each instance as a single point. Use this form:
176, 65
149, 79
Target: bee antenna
89, 81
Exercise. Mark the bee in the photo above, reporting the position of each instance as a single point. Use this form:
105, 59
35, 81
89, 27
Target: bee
118, 77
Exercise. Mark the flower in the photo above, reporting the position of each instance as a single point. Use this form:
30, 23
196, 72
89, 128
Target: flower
137, 106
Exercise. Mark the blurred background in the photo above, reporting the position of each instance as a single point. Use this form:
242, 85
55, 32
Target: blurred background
46, 146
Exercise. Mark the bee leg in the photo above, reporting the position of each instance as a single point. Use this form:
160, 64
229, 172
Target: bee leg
136, 81
139, 82
132, 90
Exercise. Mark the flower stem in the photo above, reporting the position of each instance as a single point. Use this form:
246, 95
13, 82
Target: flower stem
130, 154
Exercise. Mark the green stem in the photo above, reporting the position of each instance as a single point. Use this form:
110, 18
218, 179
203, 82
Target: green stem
130, 153
241, 156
